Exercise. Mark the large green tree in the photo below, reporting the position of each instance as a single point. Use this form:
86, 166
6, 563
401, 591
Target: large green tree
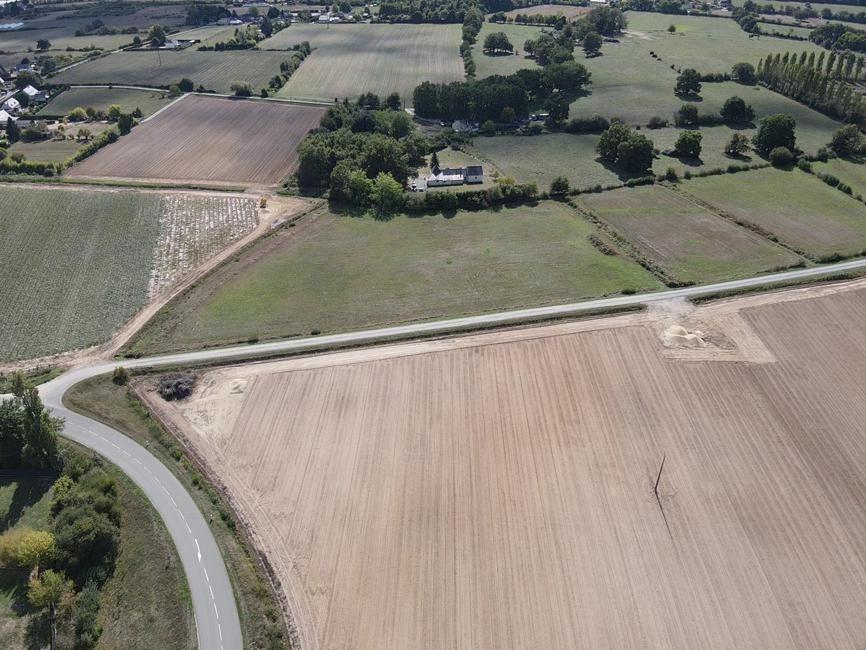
775, 131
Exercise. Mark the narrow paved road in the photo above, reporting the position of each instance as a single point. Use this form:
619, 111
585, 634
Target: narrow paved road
213, 601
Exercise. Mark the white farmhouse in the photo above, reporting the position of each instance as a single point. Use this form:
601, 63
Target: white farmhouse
35, 94
4, 118
447, 176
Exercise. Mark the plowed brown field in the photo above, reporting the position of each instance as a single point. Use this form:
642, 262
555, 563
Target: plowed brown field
209, 140
496, 491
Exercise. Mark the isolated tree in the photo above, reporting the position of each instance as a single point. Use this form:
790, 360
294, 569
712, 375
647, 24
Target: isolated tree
114, 112
736, 111
25, 548
241, 89
687, 115
559, 186
393, 102
125, 123
186, 85
847, 140
592, 44
13, 131
744, 73
688, 83
688, 144
608, 144
781, 157
672, 29
120, 376
496, 42
77, 115
737, 145
775, 131
43, 44
45, 591
434, 161
635, 154
83, 134
156, 35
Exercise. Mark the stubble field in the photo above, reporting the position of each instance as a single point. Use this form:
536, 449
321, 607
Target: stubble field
349, 60
101, 98
209, 140
497, 491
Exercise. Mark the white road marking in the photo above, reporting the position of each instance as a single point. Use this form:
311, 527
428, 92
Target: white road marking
197, 548
211, 592
216, 611
206, 576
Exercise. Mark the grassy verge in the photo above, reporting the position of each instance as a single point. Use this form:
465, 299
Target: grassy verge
35, 377
258, 607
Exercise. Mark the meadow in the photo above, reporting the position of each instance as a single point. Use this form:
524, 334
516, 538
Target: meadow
506, 64
798, 208
850, 172
689, 242
209, 140
348, 60
313, 278
57, 150
100, 98
214, 70
569, 11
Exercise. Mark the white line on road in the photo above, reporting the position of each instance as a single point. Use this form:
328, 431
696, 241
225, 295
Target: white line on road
197, 549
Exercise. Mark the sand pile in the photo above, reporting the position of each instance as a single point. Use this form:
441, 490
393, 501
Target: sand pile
678, 336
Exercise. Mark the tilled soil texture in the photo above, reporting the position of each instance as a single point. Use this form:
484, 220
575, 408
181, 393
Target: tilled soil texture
209, 140
496, 491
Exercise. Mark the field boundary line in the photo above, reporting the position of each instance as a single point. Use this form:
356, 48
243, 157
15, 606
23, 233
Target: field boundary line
164, 108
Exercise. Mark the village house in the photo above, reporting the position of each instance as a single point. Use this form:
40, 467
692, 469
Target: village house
35, 94
5, 117
11, 106
471, 175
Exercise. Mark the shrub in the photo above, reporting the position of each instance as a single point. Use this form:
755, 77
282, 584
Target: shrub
781, 157
559, 186
671, 175
657, 122
594, 124
120, 376
176, 386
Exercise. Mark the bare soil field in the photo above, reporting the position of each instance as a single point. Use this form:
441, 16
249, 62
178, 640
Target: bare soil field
549, 10
496, 491
209, 140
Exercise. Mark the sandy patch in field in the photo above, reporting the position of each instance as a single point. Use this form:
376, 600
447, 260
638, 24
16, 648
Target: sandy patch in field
496, 490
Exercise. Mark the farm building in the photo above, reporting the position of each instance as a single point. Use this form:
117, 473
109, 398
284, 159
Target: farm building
455, 176
5, 117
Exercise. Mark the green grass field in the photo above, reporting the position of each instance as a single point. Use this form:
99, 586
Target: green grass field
101, 98
848, 171
75, 265
214, 70
518, 35
145, 604
706, 44
349, 60
337, 273
800, 209
771, 28
688, 241
57, 150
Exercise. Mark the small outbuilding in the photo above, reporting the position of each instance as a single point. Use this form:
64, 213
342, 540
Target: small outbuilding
4, 118
474, 174
11, 105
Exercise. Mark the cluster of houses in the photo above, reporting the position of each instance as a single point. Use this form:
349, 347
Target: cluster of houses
10, 105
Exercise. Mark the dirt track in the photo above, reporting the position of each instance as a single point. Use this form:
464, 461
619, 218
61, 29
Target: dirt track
496, 490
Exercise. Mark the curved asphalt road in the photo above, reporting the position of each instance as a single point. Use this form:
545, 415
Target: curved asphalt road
213, 600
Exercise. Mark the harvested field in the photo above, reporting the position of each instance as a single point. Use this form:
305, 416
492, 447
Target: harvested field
76, 263
337, 273
496, 491
101, 98
348, 60
209, 140
801, 210
690, 243
214, 70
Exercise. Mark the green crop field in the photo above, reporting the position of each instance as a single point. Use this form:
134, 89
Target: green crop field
335, 273
57, 150
75, 266
214, 70
835, 8
507, 64
101, 98
690, 243
349, 60
800, 209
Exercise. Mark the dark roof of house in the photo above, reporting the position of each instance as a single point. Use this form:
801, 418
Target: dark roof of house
474, 170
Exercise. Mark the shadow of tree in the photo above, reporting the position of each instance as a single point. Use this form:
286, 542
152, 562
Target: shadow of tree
26, 494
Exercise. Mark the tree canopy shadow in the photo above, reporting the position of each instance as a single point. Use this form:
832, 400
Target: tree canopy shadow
26, 494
